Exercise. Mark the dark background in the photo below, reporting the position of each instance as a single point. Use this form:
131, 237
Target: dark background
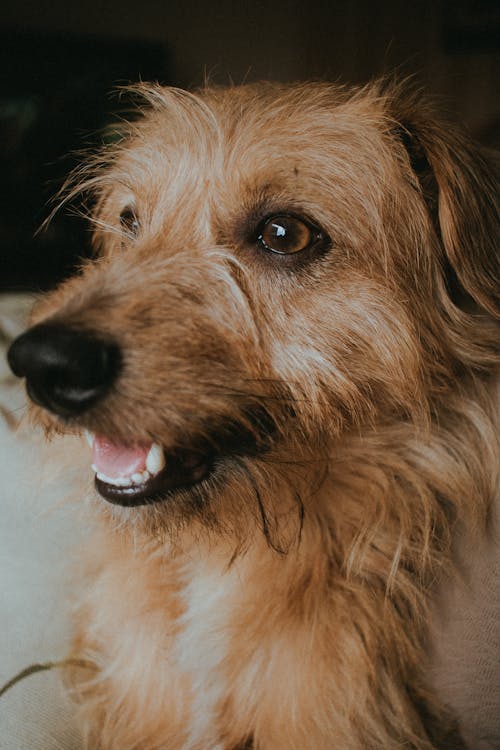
59, 61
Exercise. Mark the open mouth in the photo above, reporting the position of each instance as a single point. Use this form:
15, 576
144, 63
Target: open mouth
143, 474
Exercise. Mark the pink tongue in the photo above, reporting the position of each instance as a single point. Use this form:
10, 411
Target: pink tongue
118, 460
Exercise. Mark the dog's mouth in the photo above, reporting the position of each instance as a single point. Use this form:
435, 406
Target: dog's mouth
145, 473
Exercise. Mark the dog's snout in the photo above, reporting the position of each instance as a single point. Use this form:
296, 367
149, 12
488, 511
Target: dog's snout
67, 371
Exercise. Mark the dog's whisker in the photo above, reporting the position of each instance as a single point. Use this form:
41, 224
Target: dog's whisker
256, 396
302, 515
263, 515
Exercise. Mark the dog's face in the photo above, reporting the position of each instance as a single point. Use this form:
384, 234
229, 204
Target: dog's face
271, 278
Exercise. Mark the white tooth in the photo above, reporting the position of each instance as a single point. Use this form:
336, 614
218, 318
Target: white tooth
137, 478
94, 468
89, 438
155, 460
103, 477
116, 481
121, 481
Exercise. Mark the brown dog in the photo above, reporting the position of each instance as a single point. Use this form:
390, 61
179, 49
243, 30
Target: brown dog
284, 352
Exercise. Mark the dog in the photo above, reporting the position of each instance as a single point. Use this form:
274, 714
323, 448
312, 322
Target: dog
284, 356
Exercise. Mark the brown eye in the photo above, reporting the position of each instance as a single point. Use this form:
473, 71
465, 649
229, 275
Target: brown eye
129, 222
287, 235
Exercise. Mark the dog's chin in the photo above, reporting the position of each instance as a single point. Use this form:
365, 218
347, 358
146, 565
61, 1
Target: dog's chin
183, 471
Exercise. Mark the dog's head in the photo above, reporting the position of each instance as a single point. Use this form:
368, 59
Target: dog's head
277, 268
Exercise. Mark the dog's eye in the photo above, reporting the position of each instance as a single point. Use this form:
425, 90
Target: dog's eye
129, 222
287, 235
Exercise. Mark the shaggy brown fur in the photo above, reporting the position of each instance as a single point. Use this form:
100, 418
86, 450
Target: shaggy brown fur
281, 603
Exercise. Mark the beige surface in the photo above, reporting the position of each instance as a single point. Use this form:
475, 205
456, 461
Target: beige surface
36, 531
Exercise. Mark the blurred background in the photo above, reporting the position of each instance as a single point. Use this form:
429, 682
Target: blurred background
60, 60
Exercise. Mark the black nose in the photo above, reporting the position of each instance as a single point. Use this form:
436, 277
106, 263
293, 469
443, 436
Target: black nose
67, 371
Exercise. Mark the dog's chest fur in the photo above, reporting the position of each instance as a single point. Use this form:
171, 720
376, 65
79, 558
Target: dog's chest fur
201, 646
208, 657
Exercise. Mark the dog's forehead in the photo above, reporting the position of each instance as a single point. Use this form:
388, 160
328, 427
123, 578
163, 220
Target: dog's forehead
209, 159
255, 135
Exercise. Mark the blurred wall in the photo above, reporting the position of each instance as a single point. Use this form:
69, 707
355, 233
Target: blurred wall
453, 47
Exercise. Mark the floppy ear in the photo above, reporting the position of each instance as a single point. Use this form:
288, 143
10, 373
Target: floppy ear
459, 182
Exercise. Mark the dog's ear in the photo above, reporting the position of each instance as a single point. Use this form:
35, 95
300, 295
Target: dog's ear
460, 185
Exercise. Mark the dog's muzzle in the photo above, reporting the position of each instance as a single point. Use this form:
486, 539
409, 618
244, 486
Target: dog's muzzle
67, 371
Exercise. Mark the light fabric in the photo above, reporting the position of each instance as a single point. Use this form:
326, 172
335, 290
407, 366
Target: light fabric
37, 530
